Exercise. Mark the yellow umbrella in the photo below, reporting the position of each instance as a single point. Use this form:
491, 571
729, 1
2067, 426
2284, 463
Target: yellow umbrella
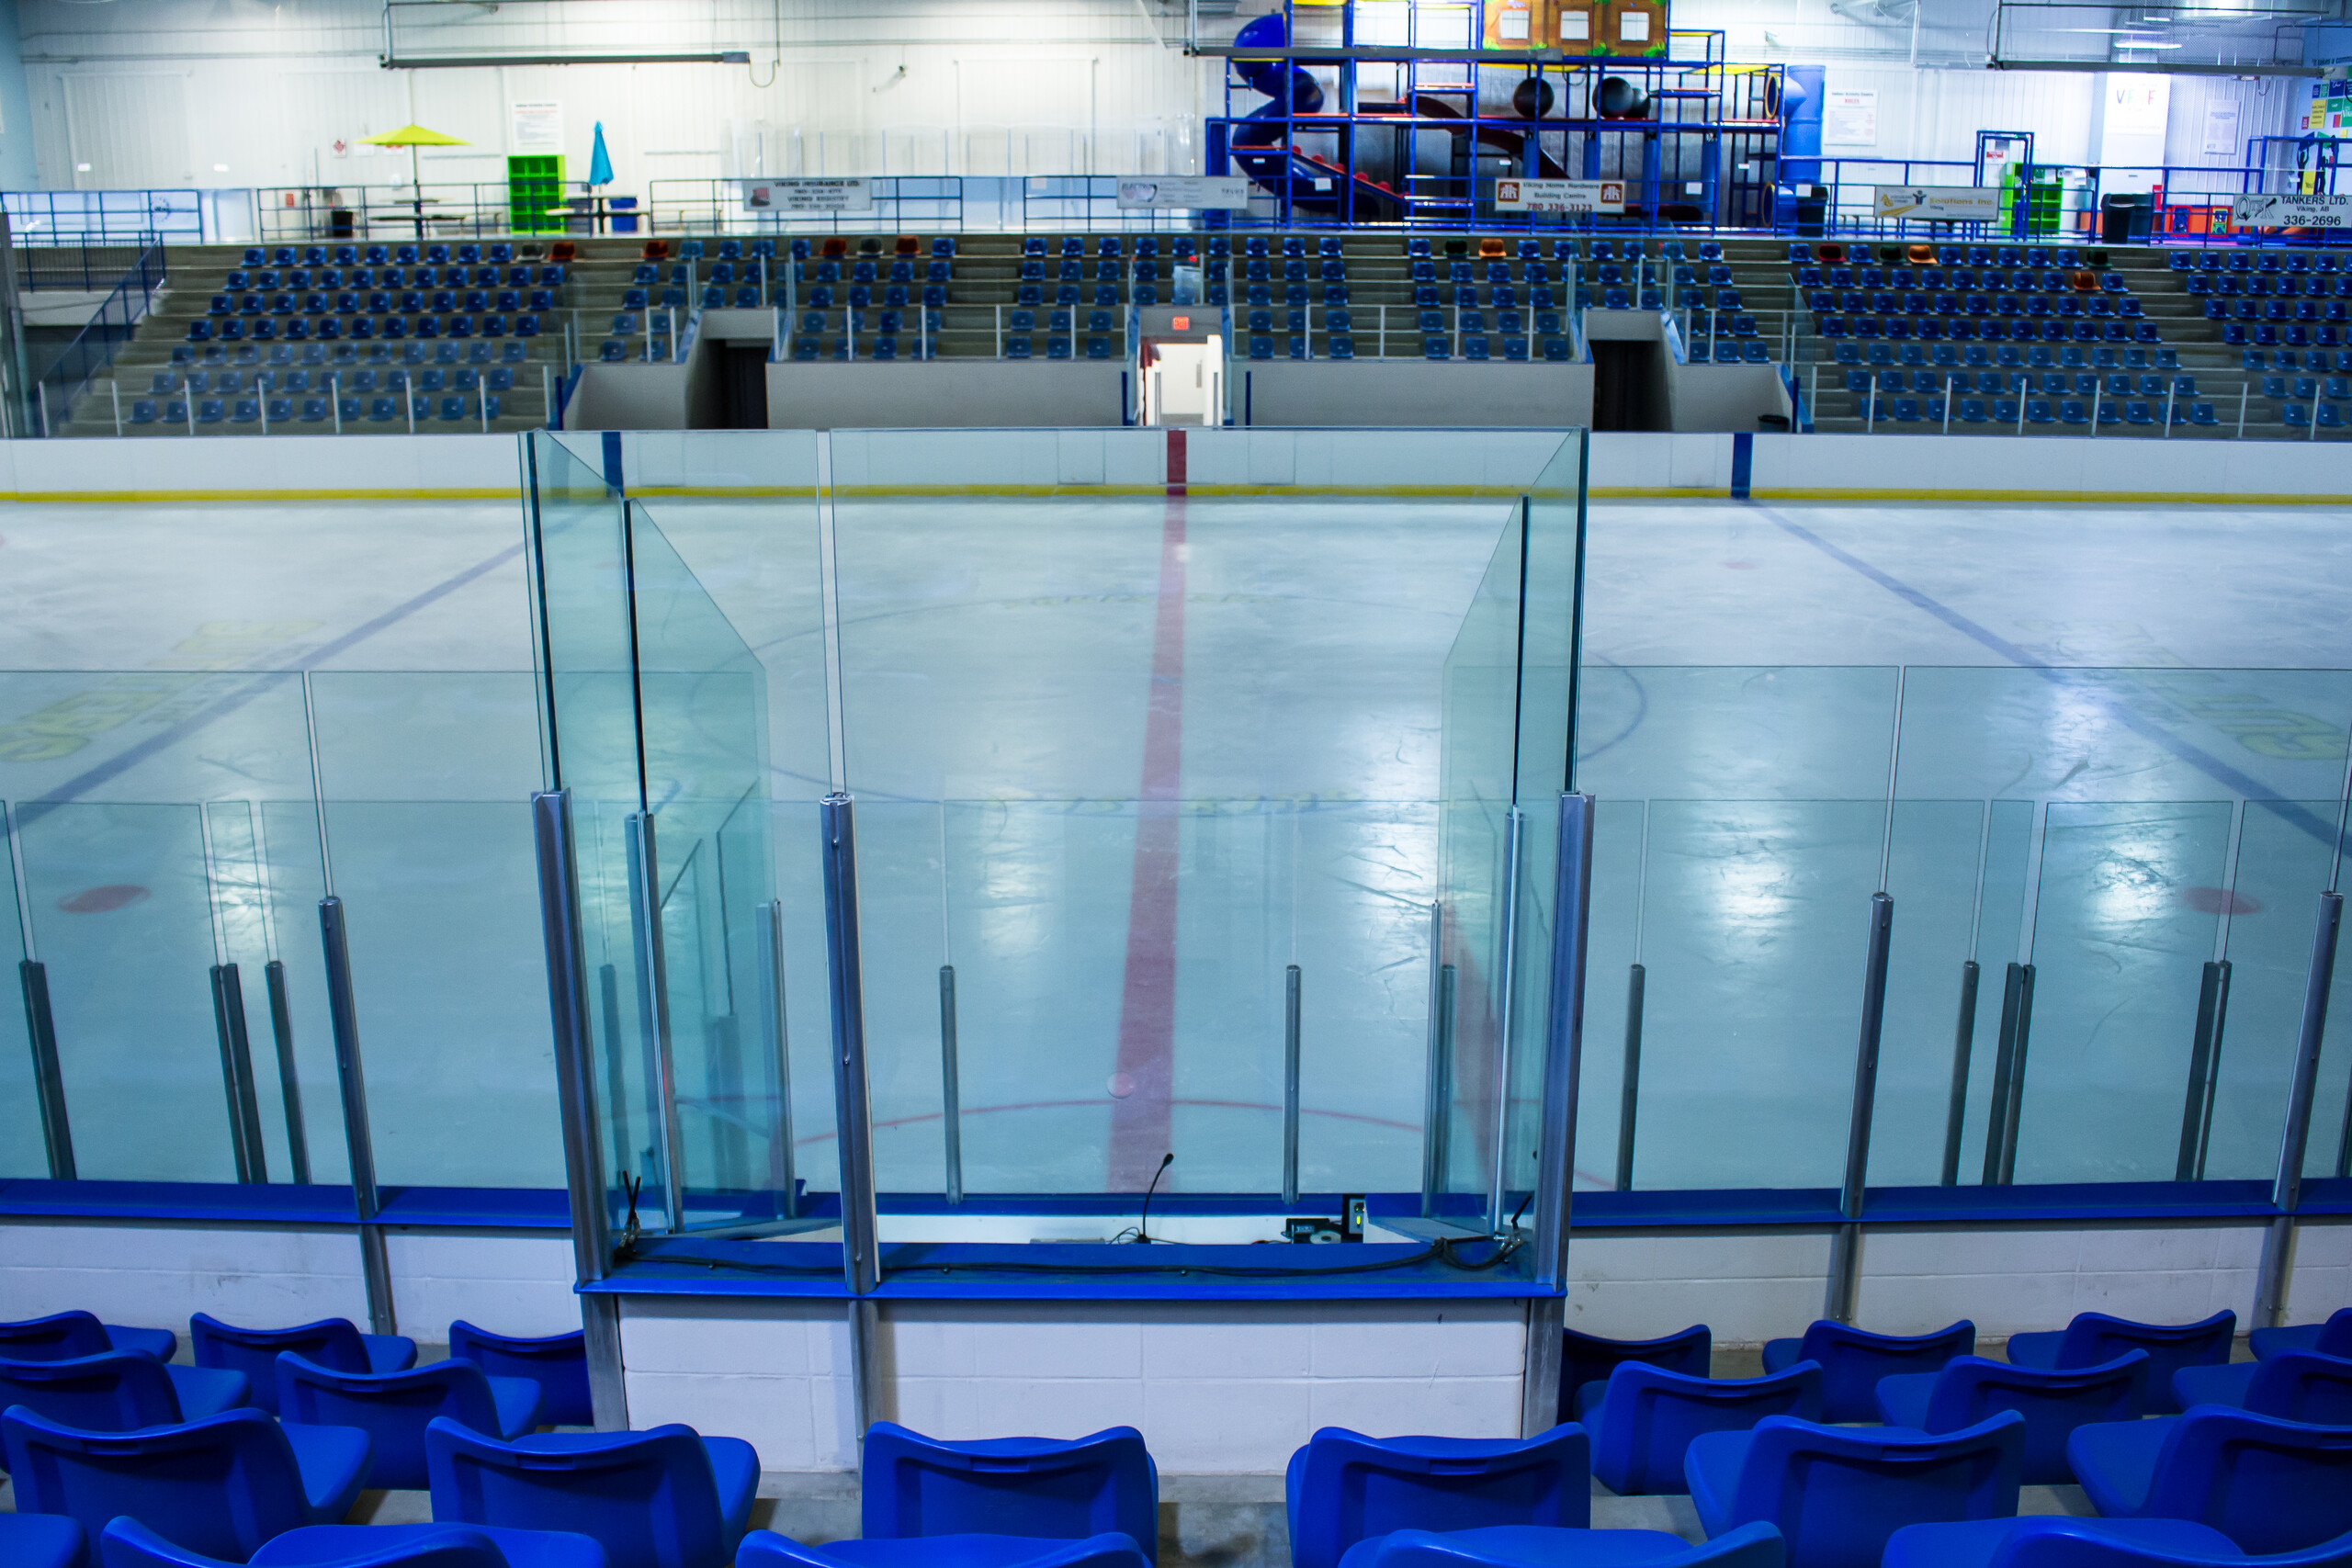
414, 137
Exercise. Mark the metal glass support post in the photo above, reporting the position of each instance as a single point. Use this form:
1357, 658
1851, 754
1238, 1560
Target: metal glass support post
853, 1107
653, 1008
237, 1074
1964, 1040
950, 1088
290, 1082
2286, 1191
1505, 1007
342, 1011
575, 1077
2009, 1077
772, 1000
1556, 1153
2204, 1067
1290, 1084
1437, 1109
41, 1027
1846, 1248
1628, 1090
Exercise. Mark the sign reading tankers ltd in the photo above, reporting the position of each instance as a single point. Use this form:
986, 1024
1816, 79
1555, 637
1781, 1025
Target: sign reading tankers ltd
2287, 210
1213, 193
1559, 196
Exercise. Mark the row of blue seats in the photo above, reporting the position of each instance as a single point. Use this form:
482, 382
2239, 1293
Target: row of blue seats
2009, 357
1993, 383
360, 378
2308, 311
2337, 286
2040, 412
296, 329
2065, 306
1946, 255
751, 271
376, 255
1991, 329
444, 352
2259, 261
714, 298
382, 302
1959, 281
269, 279
315, 410
2322, 360
2293, 334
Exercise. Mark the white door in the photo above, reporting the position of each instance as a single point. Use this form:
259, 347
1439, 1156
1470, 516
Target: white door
1186, 385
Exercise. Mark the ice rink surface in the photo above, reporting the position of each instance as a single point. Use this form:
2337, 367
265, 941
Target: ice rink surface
2122, 751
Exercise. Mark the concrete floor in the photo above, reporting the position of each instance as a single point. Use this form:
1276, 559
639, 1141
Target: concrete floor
2090, 699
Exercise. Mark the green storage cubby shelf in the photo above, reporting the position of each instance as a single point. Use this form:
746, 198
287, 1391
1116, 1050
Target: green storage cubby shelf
534, 184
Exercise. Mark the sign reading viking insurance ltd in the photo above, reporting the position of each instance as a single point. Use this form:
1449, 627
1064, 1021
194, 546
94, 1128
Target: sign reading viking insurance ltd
808, 196
1939, 204
2286, 209
1559, 196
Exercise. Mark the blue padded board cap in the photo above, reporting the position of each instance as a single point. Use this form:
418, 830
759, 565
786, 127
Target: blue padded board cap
2094, 1338
394, 1408
221, 1485
915, 1485
1112, 1548
118, 1391
39, 1541
64, 1335
557, 1363
1343, 1487
2333, 1337
2294, 1385
2059, 1541
664, 1498
1837, 1494
1587, 1357
1852, 1360
2053, 1403
2270, 1486
1642, 1418
1536, 1546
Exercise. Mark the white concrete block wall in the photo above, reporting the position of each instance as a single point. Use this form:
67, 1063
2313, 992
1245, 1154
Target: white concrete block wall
1748, 1287
2322, 1283
1216, 1389
156, 1276
2012, 1281
498, 1281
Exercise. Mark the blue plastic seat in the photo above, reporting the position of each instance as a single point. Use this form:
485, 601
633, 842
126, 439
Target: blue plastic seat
1852, 1360
393, 1408
2293, 1386
2333, 1337
765, 1548
2057, 1542
2270, 1486
69, 1335
1837, 1494
126, 1543
120, 1392
1535, 1546
40, 1541
2094, 1338
2053, 1403
222, 1485
1344, 1488
334, 1343
1642, 1418
559, 1362
664, 1498
914, 1485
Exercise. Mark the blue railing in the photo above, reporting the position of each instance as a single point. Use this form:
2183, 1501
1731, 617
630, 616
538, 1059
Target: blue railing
87, 217
93, 350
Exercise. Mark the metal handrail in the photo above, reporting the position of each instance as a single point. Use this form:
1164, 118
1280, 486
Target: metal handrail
93, 348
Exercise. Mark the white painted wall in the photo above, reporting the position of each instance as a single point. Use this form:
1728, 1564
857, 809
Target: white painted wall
184, 92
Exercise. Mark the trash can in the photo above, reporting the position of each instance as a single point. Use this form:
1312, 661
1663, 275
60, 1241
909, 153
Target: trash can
339, 222
622, 210
2123, 219
1812, 211
1771, 424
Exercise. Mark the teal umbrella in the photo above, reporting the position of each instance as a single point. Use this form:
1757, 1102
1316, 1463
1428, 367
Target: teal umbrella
600, 162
